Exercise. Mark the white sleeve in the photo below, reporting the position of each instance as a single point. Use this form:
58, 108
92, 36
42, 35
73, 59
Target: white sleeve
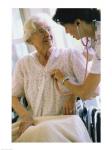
18, 80
96, 66
79, 65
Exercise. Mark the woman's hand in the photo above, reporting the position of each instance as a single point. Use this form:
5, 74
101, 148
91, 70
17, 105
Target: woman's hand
57, 74
69, 107
26, 122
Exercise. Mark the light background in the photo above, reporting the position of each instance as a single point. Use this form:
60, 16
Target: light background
5, 72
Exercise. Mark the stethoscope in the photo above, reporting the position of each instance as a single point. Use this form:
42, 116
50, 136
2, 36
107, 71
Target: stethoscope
86, 48
85, 44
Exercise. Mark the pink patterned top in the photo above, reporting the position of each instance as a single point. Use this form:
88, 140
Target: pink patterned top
32, 80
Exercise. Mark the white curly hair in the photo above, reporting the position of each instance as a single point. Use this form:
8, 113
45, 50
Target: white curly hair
30, 25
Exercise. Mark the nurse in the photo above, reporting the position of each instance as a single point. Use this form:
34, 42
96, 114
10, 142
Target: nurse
81, 22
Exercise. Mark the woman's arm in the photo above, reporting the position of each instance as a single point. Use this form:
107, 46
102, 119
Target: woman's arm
86, 89
20, 110
26, 118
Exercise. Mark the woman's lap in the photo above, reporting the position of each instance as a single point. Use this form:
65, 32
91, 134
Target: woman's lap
69, 129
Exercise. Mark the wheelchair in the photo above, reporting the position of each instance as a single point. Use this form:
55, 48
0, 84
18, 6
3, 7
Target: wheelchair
91, 116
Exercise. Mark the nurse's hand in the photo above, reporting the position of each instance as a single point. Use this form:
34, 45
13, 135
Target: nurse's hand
57, 74
25, 123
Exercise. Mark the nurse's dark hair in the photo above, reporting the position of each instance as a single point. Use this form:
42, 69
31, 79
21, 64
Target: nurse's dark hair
70, 15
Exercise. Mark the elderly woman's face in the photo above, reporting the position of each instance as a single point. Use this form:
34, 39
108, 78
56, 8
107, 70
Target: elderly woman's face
42, 38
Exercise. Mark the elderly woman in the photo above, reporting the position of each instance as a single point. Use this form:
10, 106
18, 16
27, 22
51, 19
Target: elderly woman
32, 79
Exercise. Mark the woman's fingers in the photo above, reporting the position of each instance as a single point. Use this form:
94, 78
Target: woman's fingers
24, 125
68, 108
52, 74
22, 128
57, 74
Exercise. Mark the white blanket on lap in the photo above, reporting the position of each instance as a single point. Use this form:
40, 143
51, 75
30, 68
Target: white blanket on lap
53, 129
